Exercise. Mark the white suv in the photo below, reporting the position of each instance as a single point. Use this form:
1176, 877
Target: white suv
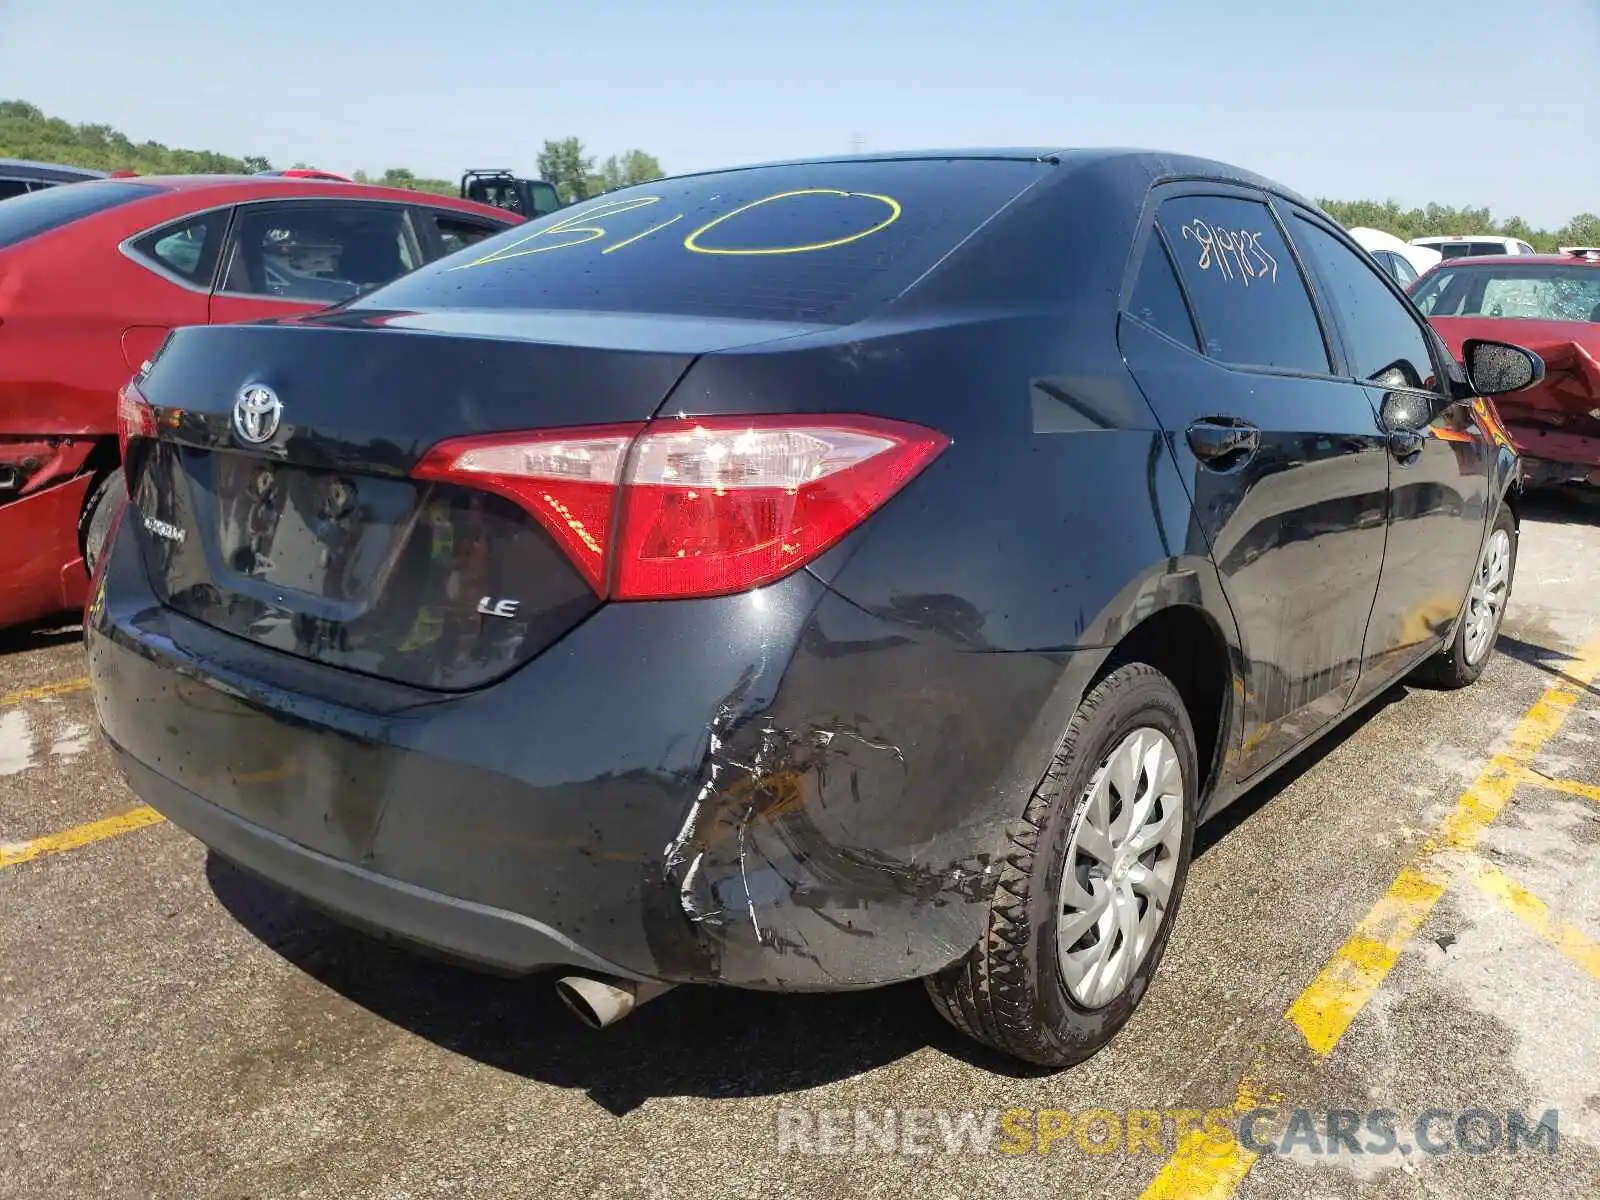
1465, 247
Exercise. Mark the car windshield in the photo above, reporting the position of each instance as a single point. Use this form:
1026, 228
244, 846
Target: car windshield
1536, 292
23, 217
817, 242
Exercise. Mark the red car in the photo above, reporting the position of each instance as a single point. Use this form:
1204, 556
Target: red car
93, 276
1549, 303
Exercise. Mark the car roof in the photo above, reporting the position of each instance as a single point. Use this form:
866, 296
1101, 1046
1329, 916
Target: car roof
1518, 261
231, 188
43, 171
187, 182
1158, 165
1436, 239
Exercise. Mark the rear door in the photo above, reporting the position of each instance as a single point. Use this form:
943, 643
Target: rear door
185, 253
291, 256
1284, 459
1439, 473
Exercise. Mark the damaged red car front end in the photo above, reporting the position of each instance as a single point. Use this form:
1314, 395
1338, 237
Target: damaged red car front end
1551, 305
46, 484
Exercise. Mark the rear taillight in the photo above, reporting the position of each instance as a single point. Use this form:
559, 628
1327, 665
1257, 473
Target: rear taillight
673, 509
135, 417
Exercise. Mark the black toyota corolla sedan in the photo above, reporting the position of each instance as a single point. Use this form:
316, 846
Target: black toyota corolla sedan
803, 577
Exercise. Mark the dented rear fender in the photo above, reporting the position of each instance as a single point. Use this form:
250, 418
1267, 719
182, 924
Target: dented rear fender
850, 833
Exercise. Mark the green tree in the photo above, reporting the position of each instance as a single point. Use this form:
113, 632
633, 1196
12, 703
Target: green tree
564, 164
1582, 230
403, 177
625, 170
254, 163
1441, 220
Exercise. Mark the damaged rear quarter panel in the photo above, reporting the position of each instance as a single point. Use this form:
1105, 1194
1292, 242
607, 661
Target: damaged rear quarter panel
849, 833
847, 836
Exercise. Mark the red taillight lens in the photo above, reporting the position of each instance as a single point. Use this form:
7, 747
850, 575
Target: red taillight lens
721, 505
135, 418
675, 509
566, 478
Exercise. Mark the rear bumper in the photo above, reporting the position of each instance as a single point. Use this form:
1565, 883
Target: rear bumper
775, 790
478, 933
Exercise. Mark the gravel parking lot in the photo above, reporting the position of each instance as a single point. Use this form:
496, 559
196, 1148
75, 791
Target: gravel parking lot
1407, 918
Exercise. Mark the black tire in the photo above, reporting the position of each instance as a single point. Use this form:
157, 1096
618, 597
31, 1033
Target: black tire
95, 524
1450, 669
1008, 992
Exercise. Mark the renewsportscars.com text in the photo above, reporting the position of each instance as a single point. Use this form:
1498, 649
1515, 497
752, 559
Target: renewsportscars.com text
928, 1131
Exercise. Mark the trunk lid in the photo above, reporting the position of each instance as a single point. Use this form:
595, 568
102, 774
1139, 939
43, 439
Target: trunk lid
317, 542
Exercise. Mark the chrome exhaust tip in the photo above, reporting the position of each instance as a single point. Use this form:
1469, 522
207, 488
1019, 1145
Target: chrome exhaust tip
602, 1002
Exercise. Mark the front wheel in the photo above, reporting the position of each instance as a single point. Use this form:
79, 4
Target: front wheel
1090, 882
1463, 660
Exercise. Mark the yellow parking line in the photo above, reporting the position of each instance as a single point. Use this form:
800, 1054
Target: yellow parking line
1324, 1011
44, 690
79, 835
1199, 1168
1570, 786
1535, 914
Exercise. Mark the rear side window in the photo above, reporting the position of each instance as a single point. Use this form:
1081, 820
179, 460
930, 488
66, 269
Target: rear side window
318, 252
814, 242
1385, 342
1158, 301
457, 232
186, 248
27, 216
1250, 302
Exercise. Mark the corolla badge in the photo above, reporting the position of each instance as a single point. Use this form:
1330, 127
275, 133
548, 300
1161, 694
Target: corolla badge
256, 413
164, 529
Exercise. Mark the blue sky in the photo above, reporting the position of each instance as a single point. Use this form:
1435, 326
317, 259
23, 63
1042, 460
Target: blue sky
1460, 101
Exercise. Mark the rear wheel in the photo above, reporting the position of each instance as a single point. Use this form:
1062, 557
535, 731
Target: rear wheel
1091, 881
95, 525
1463, 660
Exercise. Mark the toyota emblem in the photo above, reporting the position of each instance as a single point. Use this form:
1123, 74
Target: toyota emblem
256, 413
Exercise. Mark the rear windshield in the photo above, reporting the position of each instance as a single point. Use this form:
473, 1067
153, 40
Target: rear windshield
1538, 292
818, 242
39, 212
1469, 249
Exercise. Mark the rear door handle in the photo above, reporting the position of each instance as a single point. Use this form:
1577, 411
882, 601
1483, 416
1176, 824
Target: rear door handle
1223, 442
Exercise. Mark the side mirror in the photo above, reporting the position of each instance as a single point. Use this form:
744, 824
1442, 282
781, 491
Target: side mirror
1496, 368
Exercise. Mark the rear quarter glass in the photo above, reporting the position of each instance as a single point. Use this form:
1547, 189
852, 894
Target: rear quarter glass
24, 217
818, 243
